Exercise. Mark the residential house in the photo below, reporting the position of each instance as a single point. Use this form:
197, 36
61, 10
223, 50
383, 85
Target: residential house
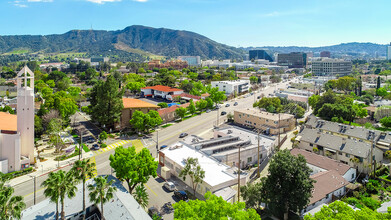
319, 163
159, 91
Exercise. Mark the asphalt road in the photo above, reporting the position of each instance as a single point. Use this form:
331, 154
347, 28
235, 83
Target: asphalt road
198, 125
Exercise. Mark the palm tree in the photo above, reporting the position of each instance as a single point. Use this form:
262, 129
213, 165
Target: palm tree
10, 206
82, 170
52, 189
101, 192
67, 187
141, 196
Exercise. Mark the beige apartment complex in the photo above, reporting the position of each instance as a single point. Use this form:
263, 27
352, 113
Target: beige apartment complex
267, 122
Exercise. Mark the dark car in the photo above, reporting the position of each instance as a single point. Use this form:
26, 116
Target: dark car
153, 211
236, 103
227, 105
96, 146
162, 147
207, 111
181, 195
258, 97
223, 113
182, 135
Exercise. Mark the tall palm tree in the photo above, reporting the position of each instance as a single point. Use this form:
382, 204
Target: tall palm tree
83, 169
101, 192
10, 206
52, 189
67, 187
141, 195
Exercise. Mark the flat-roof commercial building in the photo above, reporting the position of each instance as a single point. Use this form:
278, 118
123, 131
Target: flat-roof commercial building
268, 122
331, 67
292, 60
389, 52
218, 176
132, 105
230, 87
159, 91
325, 54
260, 54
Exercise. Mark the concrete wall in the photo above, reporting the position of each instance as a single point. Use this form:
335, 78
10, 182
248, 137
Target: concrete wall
10, 150
4, 166
350, 175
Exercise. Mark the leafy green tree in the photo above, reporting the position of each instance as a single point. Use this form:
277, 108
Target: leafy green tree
103, 136
141, 196
154, 119
191, 108
253, 79
10, 206
288, 185
74, 92
193, 169
192, 75
51, 83
138, 121
54, 129
135, 87
209, 102
216, 95
201, 104
181, 112
213, 208
82, 170
381, 92
341, 211
131, 167
106, 102
162, 105
38, 128
386, 122
270, 104
251, 194
101, 192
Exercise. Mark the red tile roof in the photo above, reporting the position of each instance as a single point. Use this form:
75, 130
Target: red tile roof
8, 122
168, 110
162, 88
137, 103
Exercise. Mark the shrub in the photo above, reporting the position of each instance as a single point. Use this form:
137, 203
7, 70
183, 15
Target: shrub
103, 145
354, 202
293, 139
370, 203
296, 132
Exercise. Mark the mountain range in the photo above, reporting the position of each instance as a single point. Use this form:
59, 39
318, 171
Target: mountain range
133, 39
354, 49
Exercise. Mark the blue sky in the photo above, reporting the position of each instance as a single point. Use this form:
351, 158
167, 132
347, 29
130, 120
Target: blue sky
232, 22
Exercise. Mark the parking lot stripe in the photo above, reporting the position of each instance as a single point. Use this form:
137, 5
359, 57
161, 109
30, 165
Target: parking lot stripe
150, 189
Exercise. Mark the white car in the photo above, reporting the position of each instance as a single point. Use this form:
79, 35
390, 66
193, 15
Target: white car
170, 186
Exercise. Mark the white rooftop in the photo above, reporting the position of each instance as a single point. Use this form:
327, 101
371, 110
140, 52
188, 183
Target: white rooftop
215, 172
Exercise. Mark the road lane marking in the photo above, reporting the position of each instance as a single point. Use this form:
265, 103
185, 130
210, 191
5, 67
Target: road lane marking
33, 192
150, 189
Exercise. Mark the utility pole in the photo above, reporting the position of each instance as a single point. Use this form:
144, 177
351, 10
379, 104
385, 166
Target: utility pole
217, 122
373, 139
239, 176
81, 144
279, 131
259, 164
35, 188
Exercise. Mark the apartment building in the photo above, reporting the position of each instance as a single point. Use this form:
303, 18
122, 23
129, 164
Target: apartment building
339, 148
331, 67
191, 60
270, 123
230, 87
132, 105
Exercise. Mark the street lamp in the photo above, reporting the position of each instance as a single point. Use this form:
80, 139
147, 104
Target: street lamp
35, 187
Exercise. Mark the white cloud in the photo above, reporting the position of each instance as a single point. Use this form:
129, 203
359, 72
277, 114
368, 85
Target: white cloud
140, 0
20, 5
103, 1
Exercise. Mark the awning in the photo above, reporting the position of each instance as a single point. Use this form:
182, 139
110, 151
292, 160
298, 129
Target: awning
331, 150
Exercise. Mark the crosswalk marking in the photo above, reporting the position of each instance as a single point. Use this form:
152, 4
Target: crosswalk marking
95, 172
136, 143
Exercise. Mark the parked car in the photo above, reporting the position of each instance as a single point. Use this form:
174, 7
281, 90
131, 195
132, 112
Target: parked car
227, 105
182, 135
207, 111
153, 211
236, 103
217, 106
258, 97
96, 146
163, 146
223, 113
181, 195
170, 186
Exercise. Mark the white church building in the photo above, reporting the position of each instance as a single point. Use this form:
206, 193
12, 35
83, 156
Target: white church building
17, 131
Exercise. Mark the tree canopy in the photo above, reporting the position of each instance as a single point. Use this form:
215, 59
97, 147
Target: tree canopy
213, 208
131, 167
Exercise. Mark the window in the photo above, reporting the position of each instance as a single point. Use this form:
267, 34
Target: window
340, 153
311, 145
327, 196
177, 170
249, 159
255, 123
352, 175
347, 155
